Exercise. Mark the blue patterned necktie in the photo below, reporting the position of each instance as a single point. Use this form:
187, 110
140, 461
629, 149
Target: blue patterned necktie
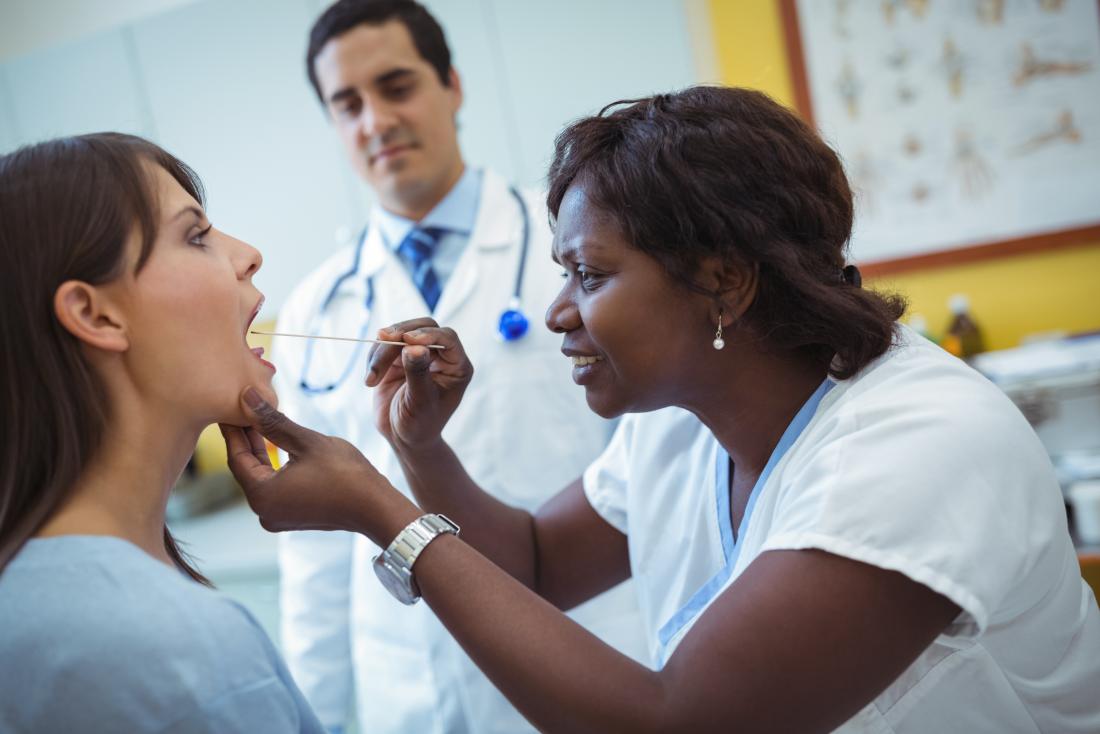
417, 249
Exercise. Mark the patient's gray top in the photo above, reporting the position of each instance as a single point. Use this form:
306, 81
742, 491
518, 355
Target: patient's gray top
97, 636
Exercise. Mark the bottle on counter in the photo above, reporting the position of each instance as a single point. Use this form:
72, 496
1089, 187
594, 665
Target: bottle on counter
963, 338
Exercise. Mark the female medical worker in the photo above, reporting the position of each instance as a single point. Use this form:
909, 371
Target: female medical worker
831, 523
123, 314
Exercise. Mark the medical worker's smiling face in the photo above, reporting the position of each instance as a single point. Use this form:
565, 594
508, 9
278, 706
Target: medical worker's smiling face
394, 115
185, 315
626, 324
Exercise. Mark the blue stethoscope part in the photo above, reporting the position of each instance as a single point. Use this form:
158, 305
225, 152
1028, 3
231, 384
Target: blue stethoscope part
511, 326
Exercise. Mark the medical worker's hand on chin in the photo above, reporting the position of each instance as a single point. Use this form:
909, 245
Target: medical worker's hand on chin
417, 389
325, 485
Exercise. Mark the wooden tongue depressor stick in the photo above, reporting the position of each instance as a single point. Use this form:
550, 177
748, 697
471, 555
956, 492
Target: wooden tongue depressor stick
346, 339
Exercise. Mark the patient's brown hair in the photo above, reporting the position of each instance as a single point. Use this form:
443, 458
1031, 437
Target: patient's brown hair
67, 208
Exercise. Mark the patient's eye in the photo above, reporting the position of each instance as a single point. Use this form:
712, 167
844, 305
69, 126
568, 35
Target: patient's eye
198, 238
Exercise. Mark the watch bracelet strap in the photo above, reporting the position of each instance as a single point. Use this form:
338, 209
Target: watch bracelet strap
406, 548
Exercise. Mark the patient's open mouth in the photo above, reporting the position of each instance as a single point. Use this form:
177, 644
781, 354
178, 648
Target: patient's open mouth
257, 352
255, 313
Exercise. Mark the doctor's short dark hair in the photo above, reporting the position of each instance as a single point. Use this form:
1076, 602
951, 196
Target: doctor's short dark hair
721, 171
343, 15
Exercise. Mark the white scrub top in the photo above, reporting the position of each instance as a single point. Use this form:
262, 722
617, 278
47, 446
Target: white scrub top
918, 465
523, 432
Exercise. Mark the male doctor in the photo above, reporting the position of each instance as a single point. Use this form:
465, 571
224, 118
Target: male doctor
461, 244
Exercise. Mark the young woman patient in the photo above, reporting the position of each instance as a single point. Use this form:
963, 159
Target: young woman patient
123, 315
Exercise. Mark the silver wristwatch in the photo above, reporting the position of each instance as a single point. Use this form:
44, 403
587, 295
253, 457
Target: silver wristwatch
394, 565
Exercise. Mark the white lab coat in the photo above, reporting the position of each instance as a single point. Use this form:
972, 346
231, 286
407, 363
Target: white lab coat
523, 432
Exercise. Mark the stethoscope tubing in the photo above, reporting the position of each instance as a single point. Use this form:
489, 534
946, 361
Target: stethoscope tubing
525, 239
307, 356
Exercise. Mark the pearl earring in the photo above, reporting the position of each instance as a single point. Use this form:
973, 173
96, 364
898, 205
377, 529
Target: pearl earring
719, 342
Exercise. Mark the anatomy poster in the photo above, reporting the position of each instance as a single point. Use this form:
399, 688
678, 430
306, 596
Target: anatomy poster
960, 122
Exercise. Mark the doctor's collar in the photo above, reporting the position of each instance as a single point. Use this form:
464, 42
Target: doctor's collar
456, 212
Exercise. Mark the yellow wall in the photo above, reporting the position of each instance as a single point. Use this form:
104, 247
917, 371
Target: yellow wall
1011, 296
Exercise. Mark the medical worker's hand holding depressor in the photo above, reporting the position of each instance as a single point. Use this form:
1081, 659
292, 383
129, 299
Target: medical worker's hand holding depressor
327, 484
417, 389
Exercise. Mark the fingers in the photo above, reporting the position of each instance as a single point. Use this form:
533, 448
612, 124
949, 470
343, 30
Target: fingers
384, 358
432, 335
401, 327
274, 426
451, 360
258, 445
417, 362
245, 465
452, 352
381, 356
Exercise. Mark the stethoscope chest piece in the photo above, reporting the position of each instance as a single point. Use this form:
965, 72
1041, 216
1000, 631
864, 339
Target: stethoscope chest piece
513, 324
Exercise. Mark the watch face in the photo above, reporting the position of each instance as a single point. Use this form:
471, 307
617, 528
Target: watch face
393, 582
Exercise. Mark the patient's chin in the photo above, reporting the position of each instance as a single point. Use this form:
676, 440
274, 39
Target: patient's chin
237, 416
268, 393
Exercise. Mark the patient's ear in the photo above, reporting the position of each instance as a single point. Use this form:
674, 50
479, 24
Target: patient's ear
88, 314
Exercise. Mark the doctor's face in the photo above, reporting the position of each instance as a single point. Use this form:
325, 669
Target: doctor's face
394, 116
186, 313
625, 322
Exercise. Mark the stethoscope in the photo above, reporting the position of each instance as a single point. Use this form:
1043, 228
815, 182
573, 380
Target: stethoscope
511, 326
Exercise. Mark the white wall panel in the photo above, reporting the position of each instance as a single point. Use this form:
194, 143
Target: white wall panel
80, 87
26, 25
8, 133
486, 133
568, 58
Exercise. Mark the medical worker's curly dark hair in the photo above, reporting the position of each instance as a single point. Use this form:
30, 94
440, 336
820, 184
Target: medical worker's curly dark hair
68, 207
720, 171
343, 15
